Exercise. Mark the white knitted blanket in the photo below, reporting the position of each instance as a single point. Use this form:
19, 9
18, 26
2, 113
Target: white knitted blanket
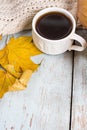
16, 15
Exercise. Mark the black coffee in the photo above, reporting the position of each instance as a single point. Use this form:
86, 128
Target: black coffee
54, 26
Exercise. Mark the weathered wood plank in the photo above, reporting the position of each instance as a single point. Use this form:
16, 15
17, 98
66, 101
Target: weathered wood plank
45, 104
79, 102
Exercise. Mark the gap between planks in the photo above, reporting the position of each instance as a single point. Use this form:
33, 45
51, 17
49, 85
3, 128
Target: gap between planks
71, 90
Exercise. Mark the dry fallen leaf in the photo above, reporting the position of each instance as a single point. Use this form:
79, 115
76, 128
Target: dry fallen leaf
9, 82
20, 50
82, 12
21, 83
16, 65
4, 56
6, 80
0, 37
10, 68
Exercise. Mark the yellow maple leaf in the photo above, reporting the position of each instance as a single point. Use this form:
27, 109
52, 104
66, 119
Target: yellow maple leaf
9, 82
10, 68
19, 52
6, 79
4, 56
21, 83
16, 65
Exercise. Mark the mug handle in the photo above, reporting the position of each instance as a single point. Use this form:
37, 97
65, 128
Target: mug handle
80, 40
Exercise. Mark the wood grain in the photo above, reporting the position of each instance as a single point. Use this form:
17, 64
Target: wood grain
45, 104
79, 102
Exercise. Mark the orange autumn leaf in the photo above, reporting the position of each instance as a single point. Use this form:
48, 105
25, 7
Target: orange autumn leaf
82, 12
16, 64
0, 37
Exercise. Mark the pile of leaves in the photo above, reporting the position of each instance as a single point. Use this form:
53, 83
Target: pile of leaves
16, 66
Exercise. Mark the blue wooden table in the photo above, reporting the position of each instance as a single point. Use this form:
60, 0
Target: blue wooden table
55, 97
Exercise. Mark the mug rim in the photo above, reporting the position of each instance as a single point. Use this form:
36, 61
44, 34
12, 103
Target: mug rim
50, 9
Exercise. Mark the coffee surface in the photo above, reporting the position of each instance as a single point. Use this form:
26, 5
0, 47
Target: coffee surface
54, 26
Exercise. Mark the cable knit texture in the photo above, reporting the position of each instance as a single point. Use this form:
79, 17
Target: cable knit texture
17, 15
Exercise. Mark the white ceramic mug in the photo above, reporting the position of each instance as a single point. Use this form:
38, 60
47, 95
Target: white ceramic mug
57, 46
